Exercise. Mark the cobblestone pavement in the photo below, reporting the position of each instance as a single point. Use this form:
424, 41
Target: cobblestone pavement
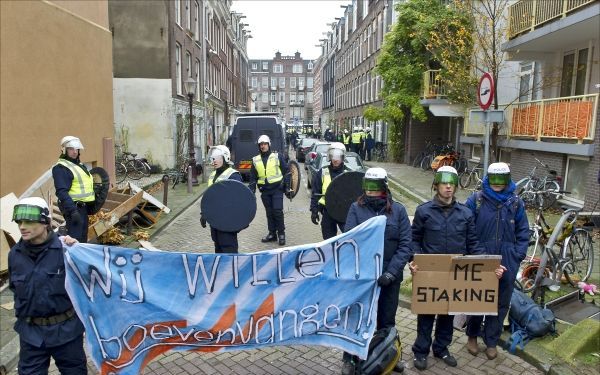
186, 234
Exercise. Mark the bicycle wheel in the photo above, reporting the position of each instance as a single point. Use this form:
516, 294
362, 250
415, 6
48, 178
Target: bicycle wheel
464, 179
133, 171
145, 168
417, 162
551, 189
579, 249
120, 172
426, 163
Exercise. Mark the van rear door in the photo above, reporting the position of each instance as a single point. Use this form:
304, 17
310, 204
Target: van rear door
244, 143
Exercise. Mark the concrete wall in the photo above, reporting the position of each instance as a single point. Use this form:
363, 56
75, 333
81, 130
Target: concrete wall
56, 74
144, 118
140, 38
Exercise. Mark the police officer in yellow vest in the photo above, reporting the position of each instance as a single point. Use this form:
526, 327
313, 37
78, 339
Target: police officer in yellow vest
320, 183
270, 172
346, 139
220, 158
74, 188
357, 140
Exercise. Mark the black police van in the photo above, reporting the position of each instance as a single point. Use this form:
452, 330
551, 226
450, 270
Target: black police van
248, 127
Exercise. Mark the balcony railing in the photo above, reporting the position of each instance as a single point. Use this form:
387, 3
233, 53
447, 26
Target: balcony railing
433, 87
569, 118
526, 15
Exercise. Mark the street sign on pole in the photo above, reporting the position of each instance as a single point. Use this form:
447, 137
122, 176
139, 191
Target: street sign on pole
485, 97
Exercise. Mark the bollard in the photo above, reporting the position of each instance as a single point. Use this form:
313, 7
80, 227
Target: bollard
165, 181
189, 180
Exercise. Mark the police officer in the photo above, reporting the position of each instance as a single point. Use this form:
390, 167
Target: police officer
369, 145
46, 321
270, 172
346, 140
441, 226
74, 188
220, 158
377, 200
502, 229
356, 140
320, 183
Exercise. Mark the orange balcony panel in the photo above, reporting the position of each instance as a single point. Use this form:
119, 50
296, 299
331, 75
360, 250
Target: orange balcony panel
567, 119
524, 120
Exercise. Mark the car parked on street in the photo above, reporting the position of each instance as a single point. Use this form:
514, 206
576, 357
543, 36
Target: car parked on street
303, 147
352, 162
316, 149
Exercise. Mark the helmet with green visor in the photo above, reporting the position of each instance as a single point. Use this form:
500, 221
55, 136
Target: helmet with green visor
498, 174
446, 175
32, 209
375, 179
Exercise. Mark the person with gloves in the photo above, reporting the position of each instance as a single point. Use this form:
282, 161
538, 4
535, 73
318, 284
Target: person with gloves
74, 188
320, 183
503, 229
220, 158
377, 200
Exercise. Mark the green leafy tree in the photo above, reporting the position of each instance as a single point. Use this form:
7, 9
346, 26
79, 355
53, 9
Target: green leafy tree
427, 35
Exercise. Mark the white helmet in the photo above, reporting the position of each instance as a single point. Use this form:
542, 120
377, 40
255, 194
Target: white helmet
264, 139
220, 150
446, 175
32, 209
360, 128
368, 129
498, 168
375, 179
336, 151
70, 141
376, 174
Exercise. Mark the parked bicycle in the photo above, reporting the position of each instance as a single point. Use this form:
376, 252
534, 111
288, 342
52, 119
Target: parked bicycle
569, 251
129, 165
470, 176
380, 152
549, 184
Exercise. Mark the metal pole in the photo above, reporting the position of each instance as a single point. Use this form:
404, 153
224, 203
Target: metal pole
486, 152
192, 163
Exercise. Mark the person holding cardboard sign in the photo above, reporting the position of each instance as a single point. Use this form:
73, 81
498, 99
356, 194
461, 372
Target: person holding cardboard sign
503, 229
441, 226
377, 200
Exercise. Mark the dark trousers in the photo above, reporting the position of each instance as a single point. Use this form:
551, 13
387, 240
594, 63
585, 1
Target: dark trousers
69, 358
78, 231
225, 242
348, 147
369, 157
329, 225
443, 335
356, 147
273, 202
492, 328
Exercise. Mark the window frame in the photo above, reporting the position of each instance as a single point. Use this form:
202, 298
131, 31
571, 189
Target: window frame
178, 75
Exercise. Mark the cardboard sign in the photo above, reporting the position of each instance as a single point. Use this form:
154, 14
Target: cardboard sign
455, 284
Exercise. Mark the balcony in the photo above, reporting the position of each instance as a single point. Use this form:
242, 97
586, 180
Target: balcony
433, 87
528, 15
570, 118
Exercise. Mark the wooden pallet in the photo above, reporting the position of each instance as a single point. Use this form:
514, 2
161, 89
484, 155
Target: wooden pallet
118, 204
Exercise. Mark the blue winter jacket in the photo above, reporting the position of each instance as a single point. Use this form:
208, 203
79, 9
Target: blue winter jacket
502, 227
396, 248
435, 233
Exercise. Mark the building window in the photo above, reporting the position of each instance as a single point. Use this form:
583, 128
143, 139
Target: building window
197, 78
292, 82
273, 83
265, 65
188, 14
300, 83
264, 97
282, 97
310, 66
277, 68
309, 82
273, 96
297, 68
264, 82
575, 177
282, 83
178, 67
292, 97
309, 97
188, 58
178, 12
527, 82
254, 82
254, 66
574, 73
197, 20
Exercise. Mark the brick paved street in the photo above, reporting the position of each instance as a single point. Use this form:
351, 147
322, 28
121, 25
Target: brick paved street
186, 234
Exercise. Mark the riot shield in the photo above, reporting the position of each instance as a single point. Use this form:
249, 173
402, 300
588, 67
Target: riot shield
228, 206
101, 186
341, 193
295, 177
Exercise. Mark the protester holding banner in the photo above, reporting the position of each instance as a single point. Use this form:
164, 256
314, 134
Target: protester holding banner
502, 229
74, 188
270, 172
46, 321
220, 158
320, 184
441, 226
377, 200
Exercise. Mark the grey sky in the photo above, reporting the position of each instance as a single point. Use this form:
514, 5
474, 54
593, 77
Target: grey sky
287, 26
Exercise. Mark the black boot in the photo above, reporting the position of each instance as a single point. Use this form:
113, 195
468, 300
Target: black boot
269, 237
281, 239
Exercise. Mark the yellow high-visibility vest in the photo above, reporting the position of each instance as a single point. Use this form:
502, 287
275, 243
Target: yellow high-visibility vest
346, 139
223, 176
356, 137
325, 180
82, 187
272, 173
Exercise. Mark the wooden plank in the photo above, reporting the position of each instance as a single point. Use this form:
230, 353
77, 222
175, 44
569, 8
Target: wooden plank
150, 198
102, 226
110, 205
120, 197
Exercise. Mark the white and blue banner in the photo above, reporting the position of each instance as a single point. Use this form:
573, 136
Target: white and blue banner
137, 304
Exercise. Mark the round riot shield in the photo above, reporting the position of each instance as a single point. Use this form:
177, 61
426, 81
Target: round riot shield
341, 193
101, 186
295, 176
228, 206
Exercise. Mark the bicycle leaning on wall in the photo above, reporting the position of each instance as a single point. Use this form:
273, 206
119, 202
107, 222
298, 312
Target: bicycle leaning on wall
549, 184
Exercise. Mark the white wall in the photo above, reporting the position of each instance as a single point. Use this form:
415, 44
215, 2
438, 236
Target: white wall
143, 108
